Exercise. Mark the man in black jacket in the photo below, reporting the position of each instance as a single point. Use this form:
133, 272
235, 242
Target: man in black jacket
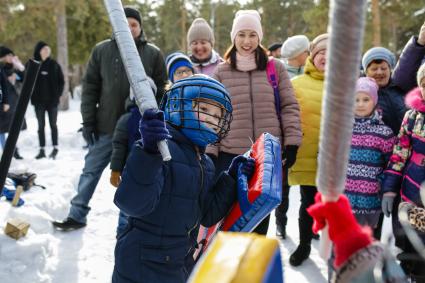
105, 89
3, 102
45, 98
13, 70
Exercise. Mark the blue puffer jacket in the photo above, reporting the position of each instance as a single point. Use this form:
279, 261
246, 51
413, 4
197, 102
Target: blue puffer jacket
166, 201
391, 103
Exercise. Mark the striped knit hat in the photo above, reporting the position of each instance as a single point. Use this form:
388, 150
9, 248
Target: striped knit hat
176, 60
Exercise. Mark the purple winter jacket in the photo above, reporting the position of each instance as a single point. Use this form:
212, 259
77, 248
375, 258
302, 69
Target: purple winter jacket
404, 74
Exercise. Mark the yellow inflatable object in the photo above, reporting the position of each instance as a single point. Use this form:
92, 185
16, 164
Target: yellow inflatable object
239, 258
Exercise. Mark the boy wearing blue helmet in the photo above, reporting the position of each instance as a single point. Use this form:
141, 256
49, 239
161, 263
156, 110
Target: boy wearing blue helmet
167, 201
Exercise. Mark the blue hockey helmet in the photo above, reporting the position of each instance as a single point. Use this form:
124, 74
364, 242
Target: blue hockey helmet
200, 107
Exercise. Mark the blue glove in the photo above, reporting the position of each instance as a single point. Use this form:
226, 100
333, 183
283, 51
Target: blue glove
387, 204
248, 166
153, 129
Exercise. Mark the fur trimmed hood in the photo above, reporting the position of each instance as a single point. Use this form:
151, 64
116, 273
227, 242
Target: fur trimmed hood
415, 101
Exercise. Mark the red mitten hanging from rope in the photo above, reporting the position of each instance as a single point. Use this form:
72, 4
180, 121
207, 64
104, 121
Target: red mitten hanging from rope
344, 231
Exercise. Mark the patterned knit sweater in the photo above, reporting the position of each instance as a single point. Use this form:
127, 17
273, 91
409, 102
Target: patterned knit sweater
371, 144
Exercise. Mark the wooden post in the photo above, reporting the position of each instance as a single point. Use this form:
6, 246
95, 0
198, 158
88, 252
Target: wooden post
17, 195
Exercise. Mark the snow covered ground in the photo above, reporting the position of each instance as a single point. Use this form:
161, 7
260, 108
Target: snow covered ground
86, 255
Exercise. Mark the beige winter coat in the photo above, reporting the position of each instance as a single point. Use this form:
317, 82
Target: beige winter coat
254, 109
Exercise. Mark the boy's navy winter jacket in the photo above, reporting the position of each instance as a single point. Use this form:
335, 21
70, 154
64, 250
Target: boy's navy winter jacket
166, 201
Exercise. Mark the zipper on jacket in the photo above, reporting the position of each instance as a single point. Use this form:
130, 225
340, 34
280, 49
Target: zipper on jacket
200, 166
199, 159
252, 105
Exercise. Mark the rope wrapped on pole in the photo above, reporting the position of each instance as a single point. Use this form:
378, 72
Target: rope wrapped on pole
342, 70
136, 74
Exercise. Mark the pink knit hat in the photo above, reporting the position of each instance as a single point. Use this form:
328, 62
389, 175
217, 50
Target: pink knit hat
368, 86
246, 19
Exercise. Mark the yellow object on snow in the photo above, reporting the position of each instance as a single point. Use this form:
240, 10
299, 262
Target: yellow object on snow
240, 258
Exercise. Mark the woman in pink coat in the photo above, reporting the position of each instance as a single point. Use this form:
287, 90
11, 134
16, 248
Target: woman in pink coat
244, 75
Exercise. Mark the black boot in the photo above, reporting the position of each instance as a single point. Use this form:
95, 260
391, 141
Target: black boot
301, 253
281, 218
16, 155
41, 154
53, 154
68, 224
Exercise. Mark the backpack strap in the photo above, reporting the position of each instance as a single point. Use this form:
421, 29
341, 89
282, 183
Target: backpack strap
272, 78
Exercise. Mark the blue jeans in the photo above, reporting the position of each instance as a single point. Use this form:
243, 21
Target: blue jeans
96, 160
2, 140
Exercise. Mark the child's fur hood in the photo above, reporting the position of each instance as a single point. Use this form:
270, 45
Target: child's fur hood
415, 101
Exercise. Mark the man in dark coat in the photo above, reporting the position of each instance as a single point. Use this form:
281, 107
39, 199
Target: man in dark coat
45, 98
4, 103
105, 89
13, 69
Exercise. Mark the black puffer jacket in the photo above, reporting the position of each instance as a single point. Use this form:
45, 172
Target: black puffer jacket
6, 117
391, 103
3, 88
106, 86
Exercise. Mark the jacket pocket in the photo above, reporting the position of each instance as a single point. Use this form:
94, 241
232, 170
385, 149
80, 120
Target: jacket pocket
165, 256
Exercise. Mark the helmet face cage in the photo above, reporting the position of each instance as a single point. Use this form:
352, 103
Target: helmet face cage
201, 108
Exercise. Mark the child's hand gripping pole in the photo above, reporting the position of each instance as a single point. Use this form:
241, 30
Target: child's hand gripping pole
136, 74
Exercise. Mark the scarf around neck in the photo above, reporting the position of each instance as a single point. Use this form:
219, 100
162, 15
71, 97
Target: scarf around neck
245, 63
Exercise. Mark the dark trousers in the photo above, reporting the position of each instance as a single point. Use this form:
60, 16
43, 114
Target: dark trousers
52, 111
282, 209
377, 231
305, 221
222, 163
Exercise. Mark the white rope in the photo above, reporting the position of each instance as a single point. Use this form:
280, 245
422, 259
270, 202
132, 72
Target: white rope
347, 20
136, 74
346, 29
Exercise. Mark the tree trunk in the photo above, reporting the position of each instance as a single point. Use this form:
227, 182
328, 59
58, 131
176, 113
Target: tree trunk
183, 27
394, 40
62, 49
376, 20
